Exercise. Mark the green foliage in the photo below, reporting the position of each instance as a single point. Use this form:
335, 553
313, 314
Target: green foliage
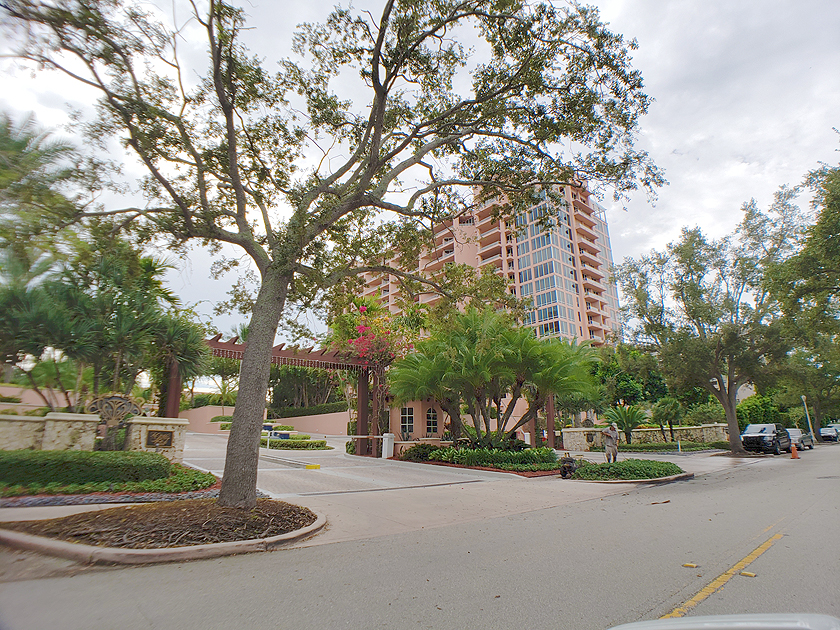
490, 457
64, 467
300, 445
627, 419
482, 360
9, 399
720, 444
350, 447
294, 412
179, 479
225, 426
230, 159
294, 387
283, 427
418, 452
704, 307
708, 413
757, 410
221, 419
627, 469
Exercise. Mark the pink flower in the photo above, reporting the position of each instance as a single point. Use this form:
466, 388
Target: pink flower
362, 309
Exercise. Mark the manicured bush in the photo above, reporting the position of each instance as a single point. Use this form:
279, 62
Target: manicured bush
311, 445
299, 436
9, 399
418, 452
489, 457
180, 479
720, 444
9, 412
80, 467
283, 427
225, 426
221, 418
627, 469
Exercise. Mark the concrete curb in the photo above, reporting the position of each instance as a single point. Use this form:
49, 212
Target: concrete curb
90, 554
680, 477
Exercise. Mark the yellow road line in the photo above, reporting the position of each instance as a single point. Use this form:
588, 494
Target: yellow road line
718, 583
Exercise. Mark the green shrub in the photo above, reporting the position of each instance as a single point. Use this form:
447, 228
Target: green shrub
180, 479
294, 412
757, 410
225, 426
418, 452
310, 445
9, 399
707, 413
221, 418
283, 427
9, 412
38, 411
627, 469
350, 447
67, 467
721, 444
490, 457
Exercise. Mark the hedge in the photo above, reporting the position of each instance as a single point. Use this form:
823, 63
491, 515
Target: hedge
221, 418
80, 467
490, 457
294, 412
418, 452
180, 479
309, 445
225, 426
627, 469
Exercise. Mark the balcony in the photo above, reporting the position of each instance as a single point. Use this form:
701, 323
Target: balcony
495, 260
585, 232
592, 271
592, 283
588, 258
588, 246
581, 217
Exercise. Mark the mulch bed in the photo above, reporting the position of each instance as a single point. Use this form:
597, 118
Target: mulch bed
172, 524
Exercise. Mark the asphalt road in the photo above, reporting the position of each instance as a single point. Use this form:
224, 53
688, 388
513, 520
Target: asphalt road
591, 562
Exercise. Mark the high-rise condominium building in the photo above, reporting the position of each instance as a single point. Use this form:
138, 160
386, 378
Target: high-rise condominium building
563, 268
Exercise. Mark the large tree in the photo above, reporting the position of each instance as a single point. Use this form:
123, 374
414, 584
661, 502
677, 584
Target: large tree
703, 306
294, 171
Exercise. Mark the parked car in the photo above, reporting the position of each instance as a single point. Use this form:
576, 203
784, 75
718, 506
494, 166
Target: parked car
829, 434
766, 438
801, 439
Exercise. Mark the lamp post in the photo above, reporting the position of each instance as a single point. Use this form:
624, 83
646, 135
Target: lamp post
808, 416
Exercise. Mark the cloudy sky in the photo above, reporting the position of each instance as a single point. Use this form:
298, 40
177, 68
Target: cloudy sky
746, 98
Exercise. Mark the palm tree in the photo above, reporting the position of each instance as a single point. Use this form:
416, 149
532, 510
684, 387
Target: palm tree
180, 346
627, 419
482, 360
667, 411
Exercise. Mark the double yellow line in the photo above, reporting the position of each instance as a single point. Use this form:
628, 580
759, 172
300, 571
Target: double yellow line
718, 583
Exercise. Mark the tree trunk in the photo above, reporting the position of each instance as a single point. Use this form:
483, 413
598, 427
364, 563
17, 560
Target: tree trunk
239, 483
37, 390
727, 399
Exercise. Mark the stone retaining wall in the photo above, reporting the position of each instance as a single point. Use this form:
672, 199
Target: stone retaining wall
53, 432
581, 439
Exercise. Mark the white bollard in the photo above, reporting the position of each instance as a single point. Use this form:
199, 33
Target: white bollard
387, 445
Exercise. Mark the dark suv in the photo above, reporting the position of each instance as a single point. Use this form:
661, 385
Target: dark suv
767, 438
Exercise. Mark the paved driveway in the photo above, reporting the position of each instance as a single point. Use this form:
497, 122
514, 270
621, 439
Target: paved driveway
364, 498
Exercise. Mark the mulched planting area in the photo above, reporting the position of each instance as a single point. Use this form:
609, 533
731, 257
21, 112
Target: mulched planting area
175, 524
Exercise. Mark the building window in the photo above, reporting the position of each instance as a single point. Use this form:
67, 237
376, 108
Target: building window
465, 220
406, 421
431, 421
